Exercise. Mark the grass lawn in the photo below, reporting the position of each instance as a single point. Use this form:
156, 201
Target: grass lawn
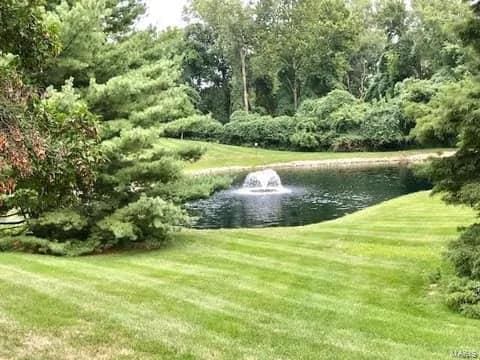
219, 155
353, 288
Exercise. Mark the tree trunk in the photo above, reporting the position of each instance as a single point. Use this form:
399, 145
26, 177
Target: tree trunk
349, 83
363, 80
295, 94
294, 85
244, 79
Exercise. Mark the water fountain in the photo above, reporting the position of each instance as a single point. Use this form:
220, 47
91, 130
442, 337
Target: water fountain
263, 182
309, 197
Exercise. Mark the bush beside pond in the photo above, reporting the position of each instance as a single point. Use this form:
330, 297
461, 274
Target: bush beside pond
461, 282
146, 223
336, 122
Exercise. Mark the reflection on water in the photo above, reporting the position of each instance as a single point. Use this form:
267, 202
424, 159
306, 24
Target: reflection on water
314, 196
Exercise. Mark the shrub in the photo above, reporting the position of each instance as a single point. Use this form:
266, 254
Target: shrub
55, 165
276, 131
243, 116
263, 130
13, 230
61, 225
191, 153
332, 122
349, 143
463, 295
463, 291
382, 126
439, 121
304, 136
305, 140
322, 108
348, 118
35, 245
193, 188
464, 253
337, 122
146, 220
194, 127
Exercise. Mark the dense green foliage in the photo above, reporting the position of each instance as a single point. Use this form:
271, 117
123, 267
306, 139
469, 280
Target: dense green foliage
451, 112
276, 58
265, 131
66, 155
204, 63
270, 55
135, 199
24, 32
464, 297
465, 253
194, 127
82, 161
337, 121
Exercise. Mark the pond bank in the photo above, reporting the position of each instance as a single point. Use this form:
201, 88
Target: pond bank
404, 159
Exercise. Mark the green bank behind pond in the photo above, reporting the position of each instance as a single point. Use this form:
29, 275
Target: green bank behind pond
225, 156
354, 288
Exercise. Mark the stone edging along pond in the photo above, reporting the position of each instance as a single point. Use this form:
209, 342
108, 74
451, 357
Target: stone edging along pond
331, 163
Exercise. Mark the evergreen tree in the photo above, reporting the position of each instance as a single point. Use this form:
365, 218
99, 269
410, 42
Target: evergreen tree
87, 29
457, 112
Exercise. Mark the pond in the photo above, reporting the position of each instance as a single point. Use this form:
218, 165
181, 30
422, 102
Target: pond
307, 197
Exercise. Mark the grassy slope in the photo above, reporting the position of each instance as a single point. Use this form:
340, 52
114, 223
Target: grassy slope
219, 155
353, 288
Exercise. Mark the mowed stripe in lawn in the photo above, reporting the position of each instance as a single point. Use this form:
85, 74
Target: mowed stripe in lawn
351, 288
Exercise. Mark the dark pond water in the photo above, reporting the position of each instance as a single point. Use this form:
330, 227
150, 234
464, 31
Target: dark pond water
314, 196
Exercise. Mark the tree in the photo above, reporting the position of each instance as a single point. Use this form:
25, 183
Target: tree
20, 139
400, 59
459, 114
146, 97
421, 42
305, 43
85, 165
436, 35
471, 30
26, 42
49, 150
88, 29
81, 31
123, 15
25, 32
129, 204
457, 177
233, 24
206, 69
368, 48
63, 143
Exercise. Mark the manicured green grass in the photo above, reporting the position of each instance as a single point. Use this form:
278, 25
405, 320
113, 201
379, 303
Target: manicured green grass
354, 288
219, 155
